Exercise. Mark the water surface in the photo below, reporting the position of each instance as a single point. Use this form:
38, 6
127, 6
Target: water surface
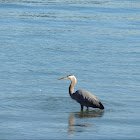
43, 40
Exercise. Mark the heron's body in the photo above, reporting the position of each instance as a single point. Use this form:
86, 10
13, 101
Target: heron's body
83, 97
87, 99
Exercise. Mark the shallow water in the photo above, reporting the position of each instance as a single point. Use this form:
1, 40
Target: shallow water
43, 40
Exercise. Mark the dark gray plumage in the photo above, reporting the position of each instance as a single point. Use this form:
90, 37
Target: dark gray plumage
83, 97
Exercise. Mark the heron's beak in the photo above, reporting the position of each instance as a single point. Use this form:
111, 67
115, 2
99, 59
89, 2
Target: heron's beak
63, 78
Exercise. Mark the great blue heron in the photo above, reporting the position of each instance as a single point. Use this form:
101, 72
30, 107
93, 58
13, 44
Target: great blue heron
83, 97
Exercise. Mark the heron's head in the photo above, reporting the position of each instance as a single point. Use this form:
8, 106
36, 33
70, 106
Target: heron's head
71, 77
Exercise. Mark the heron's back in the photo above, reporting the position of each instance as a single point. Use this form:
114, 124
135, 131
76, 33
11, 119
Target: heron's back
87, 99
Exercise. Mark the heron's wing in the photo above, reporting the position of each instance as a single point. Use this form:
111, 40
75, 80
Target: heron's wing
87, 99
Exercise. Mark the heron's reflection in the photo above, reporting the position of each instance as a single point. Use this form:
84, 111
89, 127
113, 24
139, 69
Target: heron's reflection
78, 121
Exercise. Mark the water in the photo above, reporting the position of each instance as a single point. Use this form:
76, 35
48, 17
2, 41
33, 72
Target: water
43, 40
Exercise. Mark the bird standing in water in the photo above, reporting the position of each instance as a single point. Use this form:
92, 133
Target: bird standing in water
84, 98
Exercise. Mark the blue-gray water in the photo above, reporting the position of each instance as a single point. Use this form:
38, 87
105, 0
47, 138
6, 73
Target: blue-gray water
43, 40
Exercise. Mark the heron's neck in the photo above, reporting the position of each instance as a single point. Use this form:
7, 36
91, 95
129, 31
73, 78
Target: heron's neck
71, 87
